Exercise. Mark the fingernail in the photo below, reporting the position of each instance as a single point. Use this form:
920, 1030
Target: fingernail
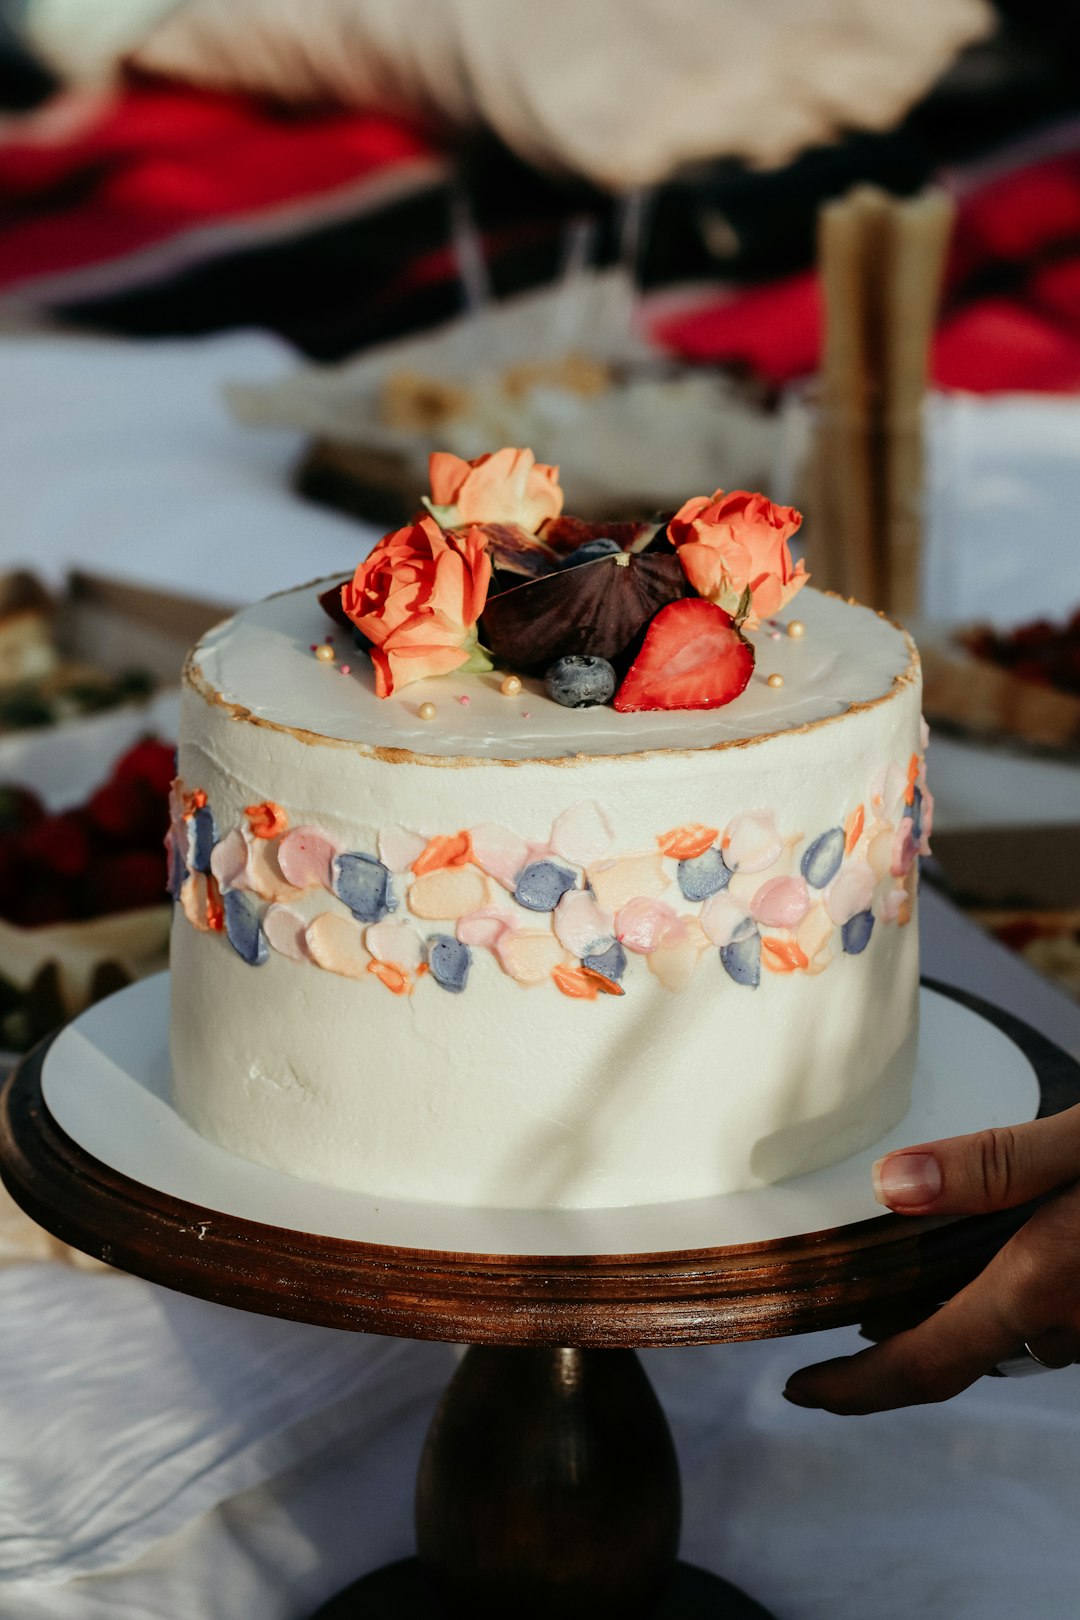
907, 1180
794, 1393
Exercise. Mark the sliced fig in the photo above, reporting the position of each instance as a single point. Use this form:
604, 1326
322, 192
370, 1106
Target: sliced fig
597, 609
564, 534
514, 551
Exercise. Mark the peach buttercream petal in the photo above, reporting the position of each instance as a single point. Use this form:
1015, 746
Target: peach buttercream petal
627, 877
751, 842
485, 927
529, 958
447, 894
675, 959
336, 944
721, 917
642, 924
851, 891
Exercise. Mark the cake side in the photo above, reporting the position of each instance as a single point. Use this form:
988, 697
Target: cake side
597, 978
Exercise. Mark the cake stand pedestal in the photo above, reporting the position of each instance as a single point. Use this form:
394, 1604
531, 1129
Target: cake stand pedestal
548, 1484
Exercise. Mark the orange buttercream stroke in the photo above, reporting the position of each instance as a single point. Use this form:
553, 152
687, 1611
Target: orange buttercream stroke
394, 977
853, 829
684, 843
447, 849
783, 956
576, 982
266, 820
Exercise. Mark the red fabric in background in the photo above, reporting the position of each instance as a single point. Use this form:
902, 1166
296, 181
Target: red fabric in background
163, 160
1011, 317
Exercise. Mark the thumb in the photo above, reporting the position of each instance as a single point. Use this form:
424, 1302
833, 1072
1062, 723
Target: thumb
993, 1169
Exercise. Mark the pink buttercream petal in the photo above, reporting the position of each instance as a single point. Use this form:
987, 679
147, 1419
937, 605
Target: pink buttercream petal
904, 850
581, 834
229, 860
499, 853
485, 927
398, 848
642, 924
851, 891
751, 843
395, 942
286, 933
305, 856
583, 926
782, 902
721, 917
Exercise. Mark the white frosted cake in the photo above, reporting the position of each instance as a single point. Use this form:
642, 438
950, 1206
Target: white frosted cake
463, 943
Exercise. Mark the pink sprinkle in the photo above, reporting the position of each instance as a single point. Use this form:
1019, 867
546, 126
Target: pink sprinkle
526, 714
464, 700
774, 635
346, 669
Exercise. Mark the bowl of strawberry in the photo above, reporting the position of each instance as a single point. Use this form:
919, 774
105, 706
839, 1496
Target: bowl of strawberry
83, 907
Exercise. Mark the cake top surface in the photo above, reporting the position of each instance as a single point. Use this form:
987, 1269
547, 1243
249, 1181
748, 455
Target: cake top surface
261, 663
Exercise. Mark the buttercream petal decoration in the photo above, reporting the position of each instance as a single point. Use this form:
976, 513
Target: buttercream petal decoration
887, 793
581, 834
851, 891
904, 849
499, 853
675, 959
285, 932
336, 943
893, 905
193, 901
815, 932
229, 861
782, 902
722, 917
397, 943
584, 926
447, 894
529, 958
642, 924
398, 848
484, 927
629, 877
263, 875
306, 858
243, 928
879, 852
751, 842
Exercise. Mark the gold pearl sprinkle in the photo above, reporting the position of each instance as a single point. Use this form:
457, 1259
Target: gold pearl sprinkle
427, 711
325, 654
796, 629
511, 686
775, 680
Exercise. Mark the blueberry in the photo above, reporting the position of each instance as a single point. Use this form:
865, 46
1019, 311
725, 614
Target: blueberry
703, 875
856, 932
449, 961
611, 963
243, 928
578, 681
542, 885
742, 959
591, 550
364, 884
203, 838
822, 860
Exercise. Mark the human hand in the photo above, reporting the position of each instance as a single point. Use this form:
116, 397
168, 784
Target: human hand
1028, 1297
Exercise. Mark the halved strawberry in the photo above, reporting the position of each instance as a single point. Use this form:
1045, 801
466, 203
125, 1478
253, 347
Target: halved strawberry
692, 657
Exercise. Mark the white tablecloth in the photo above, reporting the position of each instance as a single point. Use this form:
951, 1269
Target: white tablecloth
279, 1459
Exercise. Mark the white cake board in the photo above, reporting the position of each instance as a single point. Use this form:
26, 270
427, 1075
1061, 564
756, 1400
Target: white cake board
106, 1084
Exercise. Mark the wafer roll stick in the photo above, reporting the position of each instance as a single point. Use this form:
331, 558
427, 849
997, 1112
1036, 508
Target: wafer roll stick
914, 268
852, 235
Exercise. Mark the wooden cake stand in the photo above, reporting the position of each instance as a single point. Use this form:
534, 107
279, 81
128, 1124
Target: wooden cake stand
548, 1485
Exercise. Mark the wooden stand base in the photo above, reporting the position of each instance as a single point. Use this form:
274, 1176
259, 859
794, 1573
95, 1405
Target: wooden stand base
548, 1487
405, 1591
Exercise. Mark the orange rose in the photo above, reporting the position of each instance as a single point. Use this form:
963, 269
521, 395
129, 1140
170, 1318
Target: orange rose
510, 486
732, 543
417, 598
